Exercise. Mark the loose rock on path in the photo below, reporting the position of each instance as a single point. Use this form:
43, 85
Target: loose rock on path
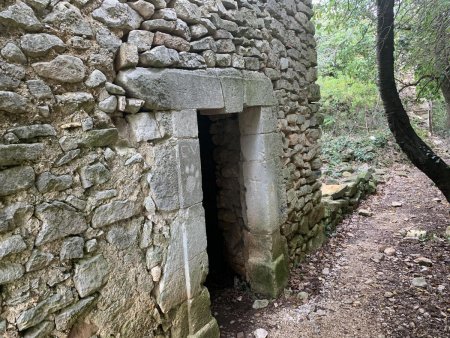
372, 279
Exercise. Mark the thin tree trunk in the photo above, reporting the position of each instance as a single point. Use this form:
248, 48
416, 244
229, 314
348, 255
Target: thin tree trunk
445, 89
417, 151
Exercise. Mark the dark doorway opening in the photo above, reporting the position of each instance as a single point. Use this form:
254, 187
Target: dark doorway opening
221, 192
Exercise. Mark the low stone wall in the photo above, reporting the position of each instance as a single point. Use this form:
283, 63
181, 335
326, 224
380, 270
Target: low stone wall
341, 199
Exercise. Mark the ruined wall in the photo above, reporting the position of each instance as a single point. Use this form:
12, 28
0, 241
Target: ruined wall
85, 220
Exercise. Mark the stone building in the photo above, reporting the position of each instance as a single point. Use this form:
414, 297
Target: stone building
136, 139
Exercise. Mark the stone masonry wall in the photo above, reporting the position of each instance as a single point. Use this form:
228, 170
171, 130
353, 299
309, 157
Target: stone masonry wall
87, 225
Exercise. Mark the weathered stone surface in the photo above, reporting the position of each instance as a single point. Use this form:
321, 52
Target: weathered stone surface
38, 260
178, 28
108, 40
258, 90
144, 127
95, 79
16, 179
142, 39
39, 89
67, 157
72, 248
90, 275
12, 245
10, 272
21, 16
40, 311
38, 4
10, 75
32, 131
63, 68
187, 11
158, 57
68, 316
190, 177
13, 54
335, 191
128, 56
144, 8
184, 123
13, 103
191, 61
108, 105
258, 121
123, 237
47, 182
58, 220
163, 179
113, 89
198, 31
99, 138
35, 45
13, 154
68, 18
172, 89
173, 42
117, 15
14, 216
94, 174
114, 212
42, 330
133, 106
154, 256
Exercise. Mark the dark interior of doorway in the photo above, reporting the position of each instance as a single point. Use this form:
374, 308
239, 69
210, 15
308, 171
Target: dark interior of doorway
220, 274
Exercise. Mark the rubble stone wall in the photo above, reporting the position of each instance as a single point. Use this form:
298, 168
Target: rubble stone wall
91, 208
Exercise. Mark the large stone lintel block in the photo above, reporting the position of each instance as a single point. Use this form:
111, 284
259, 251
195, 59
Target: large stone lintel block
172, 89
258, 90
258, 120
232, 88
184, 123
268, 278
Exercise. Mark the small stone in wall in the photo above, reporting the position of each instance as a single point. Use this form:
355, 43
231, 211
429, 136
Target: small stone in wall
38, 260
72, 248
108, 105
191, 61
58, 220
12, 245
91, 245
16, 179
144, 127
166, 14
14, 154
160, 56
90, 275
21, 16
144, 8
13, 54
198, 31
68, 18
10, 272
41, 330
156, 273
154, 256
36, 45
74, 101
13, 103
142, 39
187, 11
117, 15
123, 237
95, 79
10, 75
63, 68
32, 131
133, 106
94, 174
210, 58
173, 42
39, 89
223, 60
128, 56
68, 316
113, 212
113, 89
108, 40
99, 137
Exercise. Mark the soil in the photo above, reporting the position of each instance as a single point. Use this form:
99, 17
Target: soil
360, 283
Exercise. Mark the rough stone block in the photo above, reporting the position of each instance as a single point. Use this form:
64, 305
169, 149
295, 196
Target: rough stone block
127, 57
142, 39
122, 237
32, 131
99, 138
90, 275
68, 18
117, 15
144, 127
173, 89
58, 220
16, 179
10, 272
94, 174
199, 311
74, 101
190, 175
21, 16
13, 154
261, 120
47, 182
41, 330
13, 103
172, 42
158, 57
63, 68
184, 123
258, 90
38, 260
72, 248
69, 315
114, 212
163, 179
14, 216
12, 245
268, 278
36, 45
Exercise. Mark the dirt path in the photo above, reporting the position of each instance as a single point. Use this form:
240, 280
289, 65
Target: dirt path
360, 283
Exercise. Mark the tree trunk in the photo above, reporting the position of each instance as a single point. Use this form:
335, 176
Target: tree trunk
417, 151
445, 89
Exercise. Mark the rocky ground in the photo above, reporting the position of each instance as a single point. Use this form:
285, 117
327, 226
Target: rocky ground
384, 273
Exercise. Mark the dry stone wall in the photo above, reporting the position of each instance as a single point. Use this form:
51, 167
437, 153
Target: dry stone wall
92, 211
